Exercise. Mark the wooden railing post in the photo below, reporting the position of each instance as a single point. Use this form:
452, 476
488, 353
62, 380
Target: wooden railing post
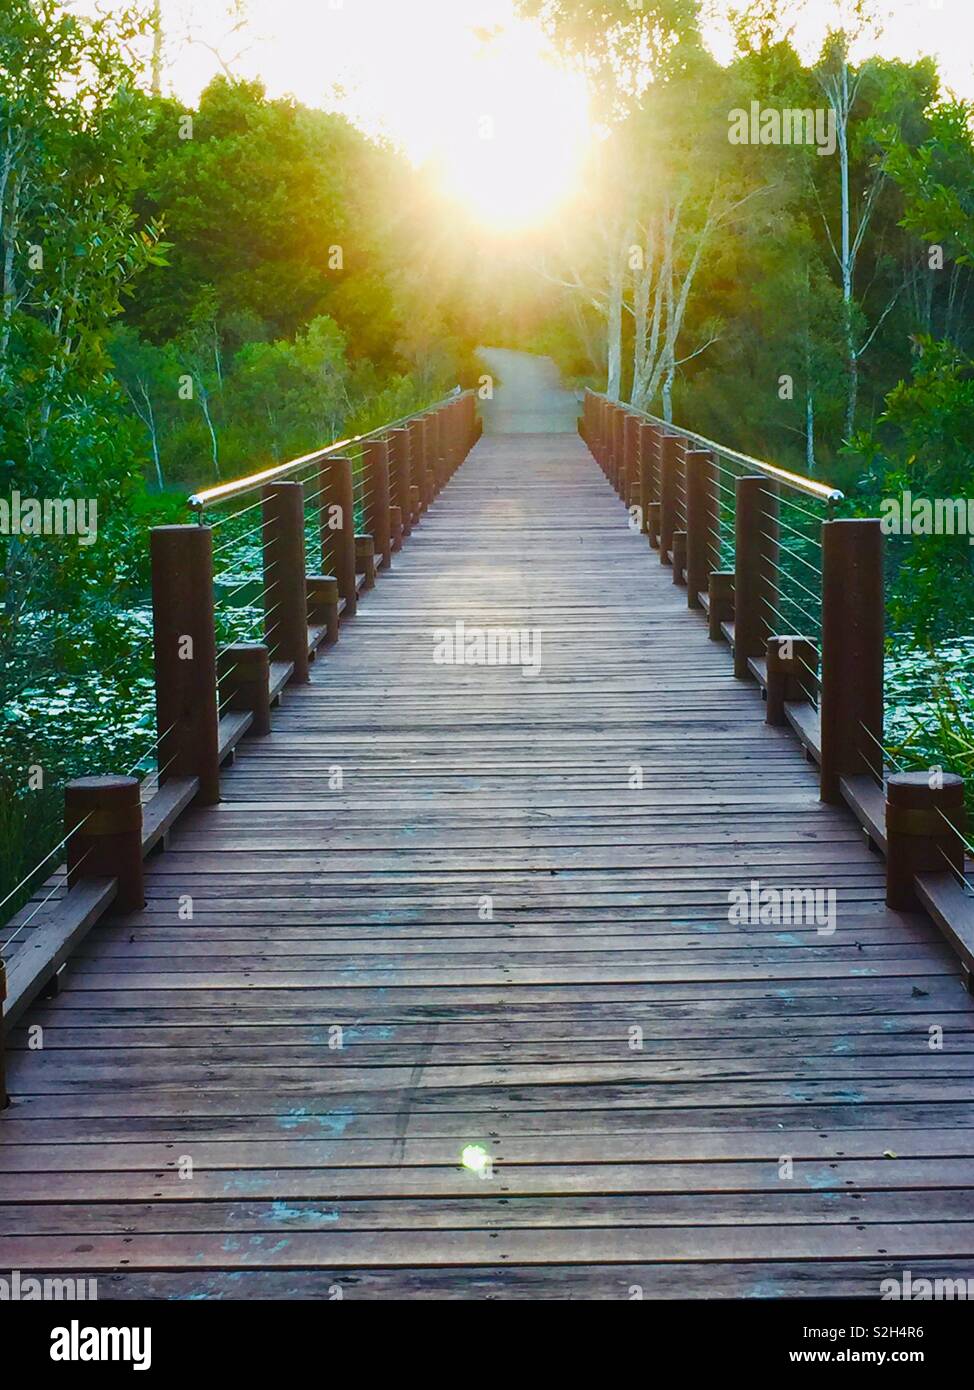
755, 569
462, 429
647, 445
4, 1096
474, 425
285, 579
451, 452
340, 560
432, 460
323, 596
610, 439
443, 446
245, 671
184, 649
103, 825
399, 464
417, 457
445, 442
853, 611
924, 831
669, 462
792, 666
630, 467
377, 473
702, 550
720, 598
652, 524
444, 416
618, 447
365, 558
678, 557
429, 454
421, 476
601, 417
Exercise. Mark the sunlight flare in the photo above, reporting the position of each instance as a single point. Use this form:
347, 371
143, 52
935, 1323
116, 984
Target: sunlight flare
516, 152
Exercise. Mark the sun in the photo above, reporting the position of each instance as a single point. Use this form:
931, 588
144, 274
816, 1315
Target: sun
513, 153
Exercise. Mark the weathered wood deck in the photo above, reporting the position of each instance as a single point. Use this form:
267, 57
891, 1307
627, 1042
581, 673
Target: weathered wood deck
316, 1168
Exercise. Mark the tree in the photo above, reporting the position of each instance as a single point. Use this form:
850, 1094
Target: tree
148, 375
621, 46
71, 131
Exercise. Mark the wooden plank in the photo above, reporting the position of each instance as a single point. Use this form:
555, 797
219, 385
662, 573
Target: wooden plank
772, 1279
804, 719
317, 632
482, 1204
867, 802
281, 673
340, 1180
45, 951
950, 906
339, 1248
164, 807
233, 726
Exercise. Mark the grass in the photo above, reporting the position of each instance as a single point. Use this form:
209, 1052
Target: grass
930, 704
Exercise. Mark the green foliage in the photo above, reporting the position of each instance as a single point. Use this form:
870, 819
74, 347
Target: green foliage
937, 177
932, 718
923, 443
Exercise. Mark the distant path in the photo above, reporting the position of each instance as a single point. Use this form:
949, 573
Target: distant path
528, 395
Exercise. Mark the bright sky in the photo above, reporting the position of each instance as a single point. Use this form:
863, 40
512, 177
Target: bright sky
504, 123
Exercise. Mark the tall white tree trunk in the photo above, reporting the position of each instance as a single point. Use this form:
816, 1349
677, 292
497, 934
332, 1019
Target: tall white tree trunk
156, 25
613, 326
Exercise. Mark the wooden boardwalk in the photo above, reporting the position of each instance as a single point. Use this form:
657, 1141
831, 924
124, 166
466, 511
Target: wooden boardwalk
190, 1128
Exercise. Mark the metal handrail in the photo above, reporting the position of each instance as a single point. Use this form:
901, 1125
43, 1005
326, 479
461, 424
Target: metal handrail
823, 491
199, 501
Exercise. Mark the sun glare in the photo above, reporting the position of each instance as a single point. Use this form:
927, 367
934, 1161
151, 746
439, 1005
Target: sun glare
514, 152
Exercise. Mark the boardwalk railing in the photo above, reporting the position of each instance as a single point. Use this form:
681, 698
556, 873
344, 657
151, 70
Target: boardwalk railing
798, 595
220, 665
